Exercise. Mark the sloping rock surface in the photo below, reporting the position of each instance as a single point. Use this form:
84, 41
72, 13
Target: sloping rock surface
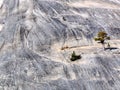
32, 33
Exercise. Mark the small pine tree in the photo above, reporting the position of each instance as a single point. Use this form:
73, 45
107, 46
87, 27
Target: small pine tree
102, 36
74, 56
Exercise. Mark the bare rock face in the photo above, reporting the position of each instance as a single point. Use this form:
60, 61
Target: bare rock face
32, 33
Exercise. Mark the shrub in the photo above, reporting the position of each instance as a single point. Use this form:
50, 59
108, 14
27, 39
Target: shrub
75, 57
65, 47
102, 36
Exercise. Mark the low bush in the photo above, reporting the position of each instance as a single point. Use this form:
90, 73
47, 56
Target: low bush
75, 57
65, 47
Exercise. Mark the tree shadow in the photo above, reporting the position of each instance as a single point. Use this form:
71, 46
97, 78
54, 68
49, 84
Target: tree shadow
111, 48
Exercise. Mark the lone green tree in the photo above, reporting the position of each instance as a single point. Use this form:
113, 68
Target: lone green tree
74, 56
102, 36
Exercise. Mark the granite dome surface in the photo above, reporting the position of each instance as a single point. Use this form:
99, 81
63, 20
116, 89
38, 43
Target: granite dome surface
32, 33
